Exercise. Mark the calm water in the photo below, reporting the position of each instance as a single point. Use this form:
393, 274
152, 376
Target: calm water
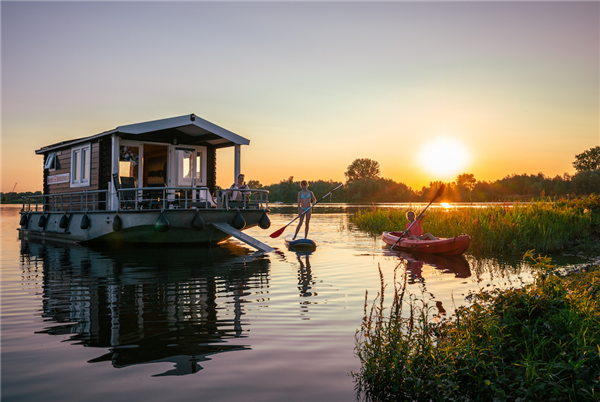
204, 324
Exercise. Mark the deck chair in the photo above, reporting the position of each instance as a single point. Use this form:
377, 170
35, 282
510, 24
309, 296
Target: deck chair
152, 196
128, 196
124, 199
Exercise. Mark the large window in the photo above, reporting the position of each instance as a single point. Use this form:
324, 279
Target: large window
190, 167
80, 166
129, 159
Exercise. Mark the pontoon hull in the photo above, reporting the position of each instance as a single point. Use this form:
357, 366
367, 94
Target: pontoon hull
143, 226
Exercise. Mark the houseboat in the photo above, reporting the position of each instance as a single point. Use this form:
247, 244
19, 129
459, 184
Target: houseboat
151, 183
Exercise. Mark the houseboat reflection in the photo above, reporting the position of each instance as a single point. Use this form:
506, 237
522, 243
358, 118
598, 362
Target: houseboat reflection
148, 305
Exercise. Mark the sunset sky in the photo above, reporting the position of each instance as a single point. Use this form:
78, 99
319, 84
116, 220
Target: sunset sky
503, 87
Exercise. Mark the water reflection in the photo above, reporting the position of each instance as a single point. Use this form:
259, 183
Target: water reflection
305, 278
455, 265
147, 304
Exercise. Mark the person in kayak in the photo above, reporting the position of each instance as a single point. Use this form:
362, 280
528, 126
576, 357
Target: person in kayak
305, 196
416, 230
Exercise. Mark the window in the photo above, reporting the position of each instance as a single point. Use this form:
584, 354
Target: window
51, 161
80, 166
190, 167
129, 159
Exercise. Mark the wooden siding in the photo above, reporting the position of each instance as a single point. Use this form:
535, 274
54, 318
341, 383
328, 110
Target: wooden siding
63, 165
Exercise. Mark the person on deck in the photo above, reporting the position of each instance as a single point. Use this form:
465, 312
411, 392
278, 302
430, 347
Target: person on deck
240, 184
305, 196
416, 231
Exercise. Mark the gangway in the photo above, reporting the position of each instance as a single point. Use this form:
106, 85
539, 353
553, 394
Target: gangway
233, 232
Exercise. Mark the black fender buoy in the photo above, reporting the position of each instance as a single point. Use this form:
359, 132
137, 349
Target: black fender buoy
162, 223
24, 220
117, 223
198, 223
264, 221
238, 221
64, 221
85, 222
42, 221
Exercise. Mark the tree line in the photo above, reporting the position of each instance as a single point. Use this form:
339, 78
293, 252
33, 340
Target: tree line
364, 184
16, 198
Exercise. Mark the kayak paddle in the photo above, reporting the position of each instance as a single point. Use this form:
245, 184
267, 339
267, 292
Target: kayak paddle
435, 197
280, 231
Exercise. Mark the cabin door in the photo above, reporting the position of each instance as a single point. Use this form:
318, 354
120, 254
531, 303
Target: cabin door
189, 166
143, 164
155, 165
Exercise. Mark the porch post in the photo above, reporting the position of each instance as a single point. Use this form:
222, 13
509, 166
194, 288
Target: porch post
114, 201
238, 162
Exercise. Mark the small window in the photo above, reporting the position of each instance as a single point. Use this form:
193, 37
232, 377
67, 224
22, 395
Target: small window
80, 166
51, 161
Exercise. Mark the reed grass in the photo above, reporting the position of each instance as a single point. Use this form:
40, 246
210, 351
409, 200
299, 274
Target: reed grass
548, 227
540, 342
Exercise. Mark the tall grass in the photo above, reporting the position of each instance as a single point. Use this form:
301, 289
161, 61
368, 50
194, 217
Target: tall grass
537, 343
547, 227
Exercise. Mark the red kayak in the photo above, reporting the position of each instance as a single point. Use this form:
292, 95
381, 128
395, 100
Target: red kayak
450, 246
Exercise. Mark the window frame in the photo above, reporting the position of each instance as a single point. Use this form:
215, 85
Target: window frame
84, 165
51, 162
197, 151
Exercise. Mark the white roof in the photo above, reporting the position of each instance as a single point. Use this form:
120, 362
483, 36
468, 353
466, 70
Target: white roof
191, 125
186, 126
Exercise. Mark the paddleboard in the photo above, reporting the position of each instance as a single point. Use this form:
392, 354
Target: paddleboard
300, 244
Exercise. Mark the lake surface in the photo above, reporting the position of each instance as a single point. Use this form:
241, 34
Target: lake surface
206, 324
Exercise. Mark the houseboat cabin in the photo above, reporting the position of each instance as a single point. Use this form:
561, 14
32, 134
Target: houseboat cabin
152, 182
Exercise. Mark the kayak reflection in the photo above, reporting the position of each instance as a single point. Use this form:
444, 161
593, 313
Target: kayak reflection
146, 304
448, 264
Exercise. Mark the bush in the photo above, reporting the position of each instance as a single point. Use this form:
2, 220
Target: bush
540, 342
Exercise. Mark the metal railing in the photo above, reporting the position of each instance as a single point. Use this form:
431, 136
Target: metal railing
78, 201
146, 198
187, 197
248, 199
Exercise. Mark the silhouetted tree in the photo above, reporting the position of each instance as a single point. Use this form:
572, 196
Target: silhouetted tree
255, 184
588, 160
466, 180
586, 182
362, 169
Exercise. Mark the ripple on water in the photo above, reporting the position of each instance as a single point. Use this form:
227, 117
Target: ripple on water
219, 322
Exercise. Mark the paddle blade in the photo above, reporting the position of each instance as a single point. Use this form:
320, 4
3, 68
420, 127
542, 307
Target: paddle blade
439, 192
278, 232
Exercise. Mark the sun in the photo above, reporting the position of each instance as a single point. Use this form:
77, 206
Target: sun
444, 157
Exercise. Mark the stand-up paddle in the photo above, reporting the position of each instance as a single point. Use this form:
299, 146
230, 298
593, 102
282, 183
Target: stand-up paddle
280, 231
435, 197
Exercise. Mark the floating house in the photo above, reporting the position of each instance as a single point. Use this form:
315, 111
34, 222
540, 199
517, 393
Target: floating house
151, 182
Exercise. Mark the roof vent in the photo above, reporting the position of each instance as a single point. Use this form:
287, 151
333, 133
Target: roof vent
192, 117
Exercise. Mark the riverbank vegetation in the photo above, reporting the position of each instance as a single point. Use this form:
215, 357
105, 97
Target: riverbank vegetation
464, 189
507, 228
538, 342
16, 198
365, 184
